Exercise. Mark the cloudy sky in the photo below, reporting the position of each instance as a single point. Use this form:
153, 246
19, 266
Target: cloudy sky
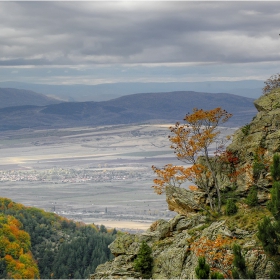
95, 42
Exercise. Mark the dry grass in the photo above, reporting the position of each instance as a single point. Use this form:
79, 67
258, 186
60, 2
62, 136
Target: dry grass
247, 218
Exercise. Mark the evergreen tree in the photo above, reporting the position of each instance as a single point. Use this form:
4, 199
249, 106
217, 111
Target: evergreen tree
103, 229
275, 168
144, 261
252, 198
235, 274
238, 261
231, 207
203, 269
77, 275
3, 270
274, 204
268, 236
216, 275
240, 269
268, 231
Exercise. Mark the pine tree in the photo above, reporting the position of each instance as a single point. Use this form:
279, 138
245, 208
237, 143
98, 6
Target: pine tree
144, 261
231, 207
3, 270
240, 269
216, 275
203, 269
274, 204
252, 198
238, 261
275, 168
268, 236
268, 231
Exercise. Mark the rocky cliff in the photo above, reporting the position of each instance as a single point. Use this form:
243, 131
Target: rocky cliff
256, 142
177, 244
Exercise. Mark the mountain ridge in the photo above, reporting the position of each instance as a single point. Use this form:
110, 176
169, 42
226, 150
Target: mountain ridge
135, 108
107, 91
11, 97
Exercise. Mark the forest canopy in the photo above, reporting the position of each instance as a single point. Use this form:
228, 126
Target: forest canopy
35, 243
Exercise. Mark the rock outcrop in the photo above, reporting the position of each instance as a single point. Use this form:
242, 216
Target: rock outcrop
183, 201
262, 133
176, 244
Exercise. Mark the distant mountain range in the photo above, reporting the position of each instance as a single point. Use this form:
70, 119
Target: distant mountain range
135, 108
103, 92
17, 97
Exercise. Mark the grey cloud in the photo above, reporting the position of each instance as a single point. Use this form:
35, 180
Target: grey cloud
95, 32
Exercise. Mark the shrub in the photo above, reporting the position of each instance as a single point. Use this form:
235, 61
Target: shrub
271, 83
216, 275
252, 198
203, 269
231, 207
245, 129
258, 168
144, 261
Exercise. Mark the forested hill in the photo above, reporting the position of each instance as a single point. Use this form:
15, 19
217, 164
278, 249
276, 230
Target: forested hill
35, 243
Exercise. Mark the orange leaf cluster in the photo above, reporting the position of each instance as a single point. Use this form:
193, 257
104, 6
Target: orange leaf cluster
217, 253
193, 188
198, 132
176, 175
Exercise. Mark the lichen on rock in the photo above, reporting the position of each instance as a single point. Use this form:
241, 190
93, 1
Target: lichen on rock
173, 252
183, 201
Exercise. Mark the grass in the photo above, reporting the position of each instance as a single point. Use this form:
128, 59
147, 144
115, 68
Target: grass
198, 229
247, 218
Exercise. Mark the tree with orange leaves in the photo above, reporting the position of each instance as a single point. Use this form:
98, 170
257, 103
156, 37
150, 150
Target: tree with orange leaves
190, 141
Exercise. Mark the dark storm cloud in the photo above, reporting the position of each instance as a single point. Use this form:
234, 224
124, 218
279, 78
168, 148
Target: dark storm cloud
88, 33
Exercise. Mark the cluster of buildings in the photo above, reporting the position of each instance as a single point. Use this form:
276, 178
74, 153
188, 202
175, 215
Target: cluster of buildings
68, 175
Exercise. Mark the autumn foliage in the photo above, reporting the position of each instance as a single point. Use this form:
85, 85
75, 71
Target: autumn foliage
15, 250
61, 248
190, 141
217, 252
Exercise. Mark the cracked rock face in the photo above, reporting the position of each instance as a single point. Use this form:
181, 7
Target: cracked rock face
263, 132
171, 243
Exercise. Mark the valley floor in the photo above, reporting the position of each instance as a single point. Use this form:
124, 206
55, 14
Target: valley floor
98, 175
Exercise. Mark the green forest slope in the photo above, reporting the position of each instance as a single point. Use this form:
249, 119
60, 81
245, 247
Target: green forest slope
35, 243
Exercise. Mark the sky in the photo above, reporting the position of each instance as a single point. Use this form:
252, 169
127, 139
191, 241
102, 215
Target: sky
95, 42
